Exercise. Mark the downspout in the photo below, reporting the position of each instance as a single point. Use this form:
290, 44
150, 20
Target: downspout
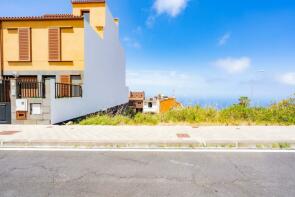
1, 51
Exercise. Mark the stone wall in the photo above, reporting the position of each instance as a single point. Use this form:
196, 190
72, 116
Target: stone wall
44, 118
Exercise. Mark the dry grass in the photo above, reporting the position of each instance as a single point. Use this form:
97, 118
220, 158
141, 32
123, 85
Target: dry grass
282, 113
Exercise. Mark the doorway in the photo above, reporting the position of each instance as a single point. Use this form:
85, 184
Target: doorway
5, 104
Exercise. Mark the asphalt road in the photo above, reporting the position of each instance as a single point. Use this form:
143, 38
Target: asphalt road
127, 174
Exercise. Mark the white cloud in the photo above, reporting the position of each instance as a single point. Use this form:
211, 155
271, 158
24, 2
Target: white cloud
157, 78
132, 43
233, 65
288, 78
224, 39
171, 7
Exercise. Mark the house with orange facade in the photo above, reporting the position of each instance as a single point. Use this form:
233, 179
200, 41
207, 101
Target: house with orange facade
57, 67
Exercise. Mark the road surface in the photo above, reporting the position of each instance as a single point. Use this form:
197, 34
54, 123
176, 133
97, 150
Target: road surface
128, 174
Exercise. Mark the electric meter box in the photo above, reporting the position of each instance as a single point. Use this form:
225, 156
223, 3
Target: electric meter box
22, 105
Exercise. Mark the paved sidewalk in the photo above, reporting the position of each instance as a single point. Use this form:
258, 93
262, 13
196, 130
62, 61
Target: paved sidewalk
145, 136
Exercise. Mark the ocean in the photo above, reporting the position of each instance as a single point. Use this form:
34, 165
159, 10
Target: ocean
220, 103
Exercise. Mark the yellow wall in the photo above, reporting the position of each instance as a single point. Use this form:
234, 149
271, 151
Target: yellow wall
168, 104
97, 14
72, 46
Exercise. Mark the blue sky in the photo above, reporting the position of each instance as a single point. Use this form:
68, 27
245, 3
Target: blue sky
199, 48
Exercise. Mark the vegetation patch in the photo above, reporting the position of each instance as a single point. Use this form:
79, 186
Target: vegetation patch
281, 113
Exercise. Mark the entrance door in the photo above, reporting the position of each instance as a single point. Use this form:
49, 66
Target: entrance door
5, 113
45, 77
5, 105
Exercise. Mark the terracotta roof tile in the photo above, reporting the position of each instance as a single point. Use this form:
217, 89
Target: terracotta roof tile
44, 17
88, 1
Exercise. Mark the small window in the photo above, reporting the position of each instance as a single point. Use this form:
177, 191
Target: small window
83, 12
36, 109
150, 104
86, 14
76, 79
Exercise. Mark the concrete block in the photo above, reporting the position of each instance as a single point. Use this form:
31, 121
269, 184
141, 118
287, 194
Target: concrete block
13, 107
13, 121
18, 122
46, 102
45, 110
35, 117
43, 122
35, 100
46, 117
30, 122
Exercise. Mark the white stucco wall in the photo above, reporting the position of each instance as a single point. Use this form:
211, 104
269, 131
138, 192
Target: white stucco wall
154, 109
104, 83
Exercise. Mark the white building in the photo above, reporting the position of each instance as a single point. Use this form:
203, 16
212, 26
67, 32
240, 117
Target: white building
151, 106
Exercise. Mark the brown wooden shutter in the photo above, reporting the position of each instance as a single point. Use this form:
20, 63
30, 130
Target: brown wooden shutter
24, 35
66, 79
65, 89
54, 44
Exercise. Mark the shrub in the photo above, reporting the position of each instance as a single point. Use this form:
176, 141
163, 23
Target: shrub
235, 113
105, 120
194, 114
282, 113
244, 101
147, 119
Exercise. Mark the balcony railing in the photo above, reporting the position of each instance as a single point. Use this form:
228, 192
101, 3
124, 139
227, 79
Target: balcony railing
67, 90
26, 89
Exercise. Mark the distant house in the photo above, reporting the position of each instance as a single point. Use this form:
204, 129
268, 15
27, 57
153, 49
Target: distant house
136, 101
58, 67
160, 104
151, 105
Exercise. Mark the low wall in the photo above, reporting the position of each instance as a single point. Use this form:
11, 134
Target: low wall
63, 109
41, 119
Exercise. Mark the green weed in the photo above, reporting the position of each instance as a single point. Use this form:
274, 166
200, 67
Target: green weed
281, 113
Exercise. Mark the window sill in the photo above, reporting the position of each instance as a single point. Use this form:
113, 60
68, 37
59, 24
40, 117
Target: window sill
61, 61
20, 61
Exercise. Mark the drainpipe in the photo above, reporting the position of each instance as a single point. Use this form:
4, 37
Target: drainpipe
1, 51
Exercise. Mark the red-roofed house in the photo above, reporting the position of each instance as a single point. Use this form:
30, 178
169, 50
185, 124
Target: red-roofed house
61, 66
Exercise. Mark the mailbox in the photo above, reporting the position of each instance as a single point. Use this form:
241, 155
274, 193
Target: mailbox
21, 115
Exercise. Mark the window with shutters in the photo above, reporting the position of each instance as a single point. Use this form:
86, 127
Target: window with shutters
24, 35
66, 79
54, 44
65, 88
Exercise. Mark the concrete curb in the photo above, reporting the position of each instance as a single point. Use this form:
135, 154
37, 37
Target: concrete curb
225, 144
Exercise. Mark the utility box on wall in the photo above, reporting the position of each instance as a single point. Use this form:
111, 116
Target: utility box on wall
21, 108
21, 105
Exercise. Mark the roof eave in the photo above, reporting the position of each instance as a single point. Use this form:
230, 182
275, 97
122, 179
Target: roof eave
38, 19
87, 1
